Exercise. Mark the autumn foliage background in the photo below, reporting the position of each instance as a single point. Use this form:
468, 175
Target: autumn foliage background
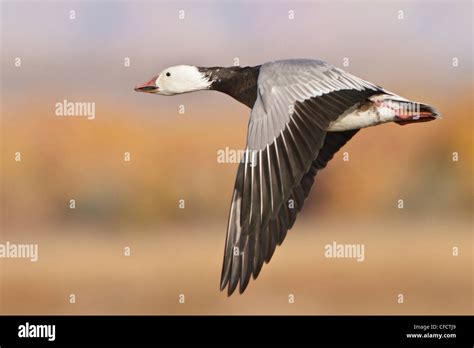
174, 156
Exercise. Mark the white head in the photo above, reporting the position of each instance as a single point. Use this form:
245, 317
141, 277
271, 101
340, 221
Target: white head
175, 80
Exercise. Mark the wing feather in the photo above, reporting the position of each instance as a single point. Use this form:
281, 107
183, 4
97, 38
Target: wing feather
287, 144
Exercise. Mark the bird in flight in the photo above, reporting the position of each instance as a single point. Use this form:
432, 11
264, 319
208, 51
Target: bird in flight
302, 112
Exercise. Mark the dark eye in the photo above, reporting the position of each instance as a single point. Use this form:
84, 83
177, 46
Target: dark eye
168, 74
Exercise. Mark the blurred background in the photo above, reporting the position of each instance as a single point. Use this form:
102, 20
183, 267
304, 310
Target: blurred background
421, 50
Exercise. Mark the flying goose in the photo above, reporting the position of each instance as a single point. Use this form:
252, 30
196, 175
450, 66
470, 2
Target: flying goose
303, 112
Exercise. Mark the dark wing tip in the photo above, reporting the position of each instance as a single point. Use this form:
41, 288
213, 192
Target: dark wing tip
256, 270
244, 283
231, 288
224, 282
242, 287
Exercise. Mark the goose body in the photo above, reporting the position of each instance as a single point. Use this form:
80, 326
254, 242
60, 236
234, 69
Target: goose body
302, 112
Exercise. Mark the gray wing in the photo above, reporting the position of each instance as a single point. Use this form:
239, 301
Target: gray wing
286, 146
